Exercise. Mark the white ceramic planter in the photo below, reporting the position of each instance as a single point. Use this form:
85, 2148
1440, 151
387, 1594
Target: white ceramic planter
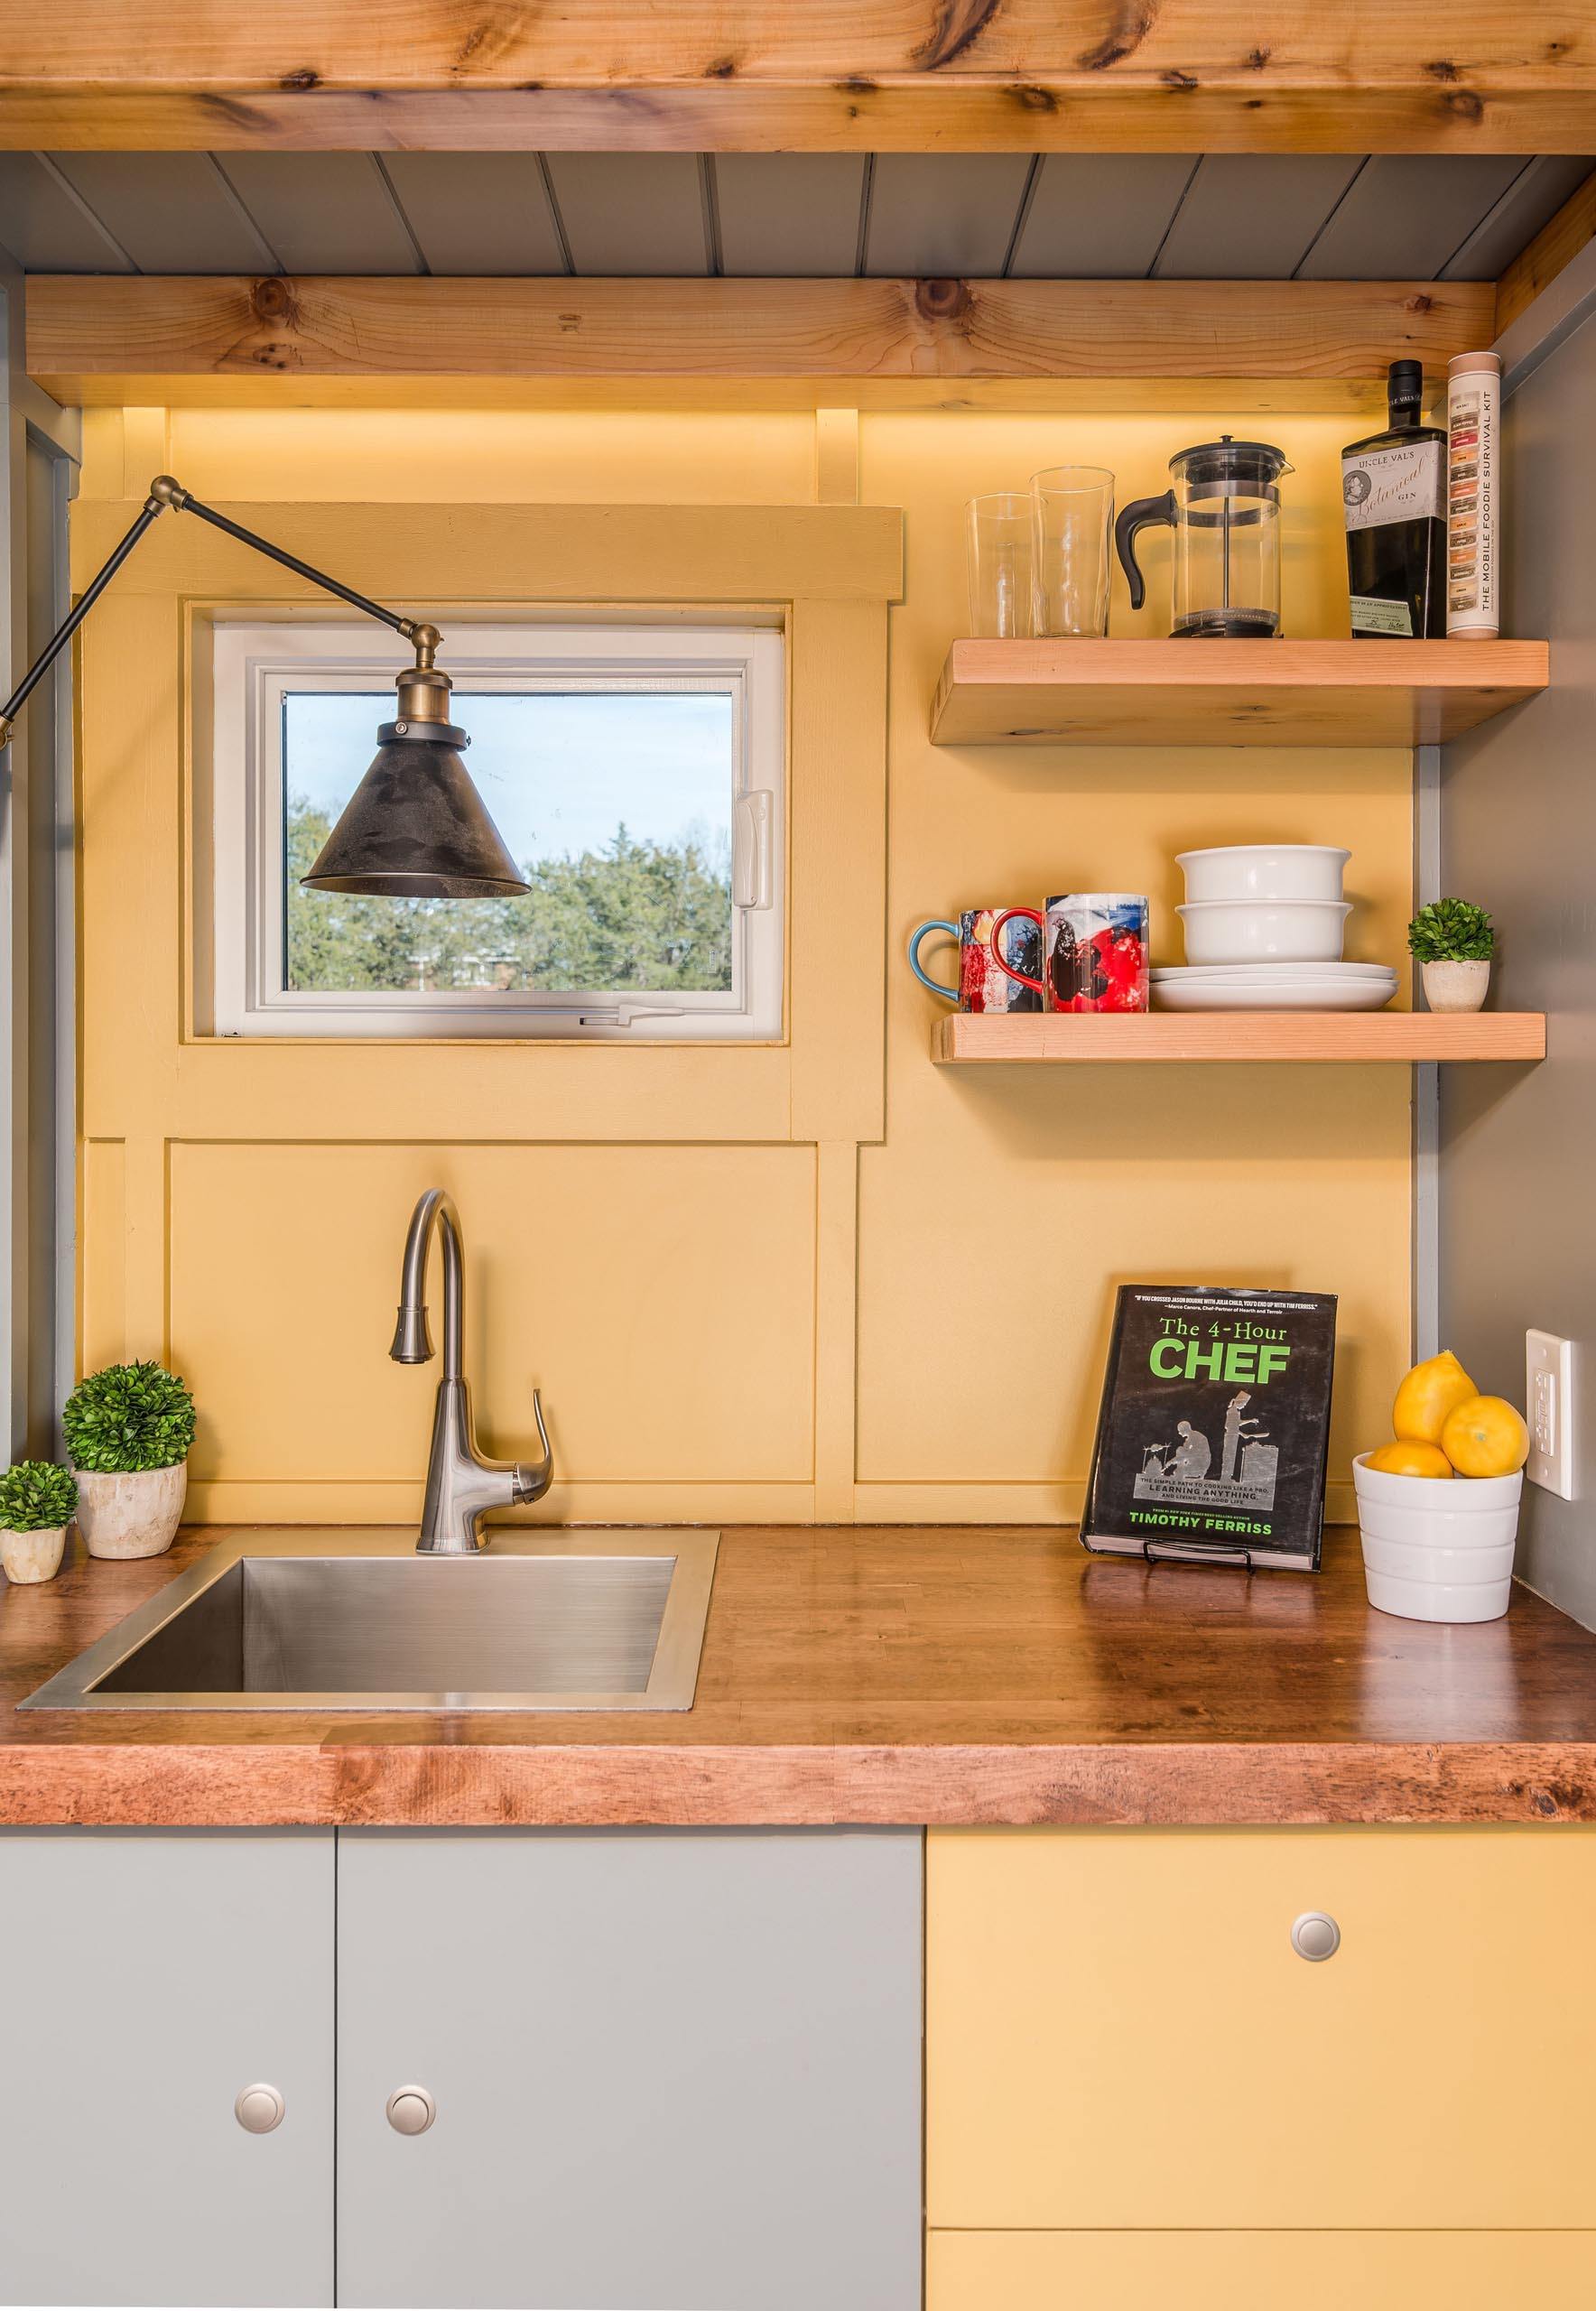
32, 1556
1437, 1548
133, 1512
1455, 987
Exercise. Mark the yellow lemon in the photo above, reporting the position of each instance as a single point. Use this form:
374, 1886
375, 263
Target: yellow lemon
1409, 1458
1485, 1437
1431, 1391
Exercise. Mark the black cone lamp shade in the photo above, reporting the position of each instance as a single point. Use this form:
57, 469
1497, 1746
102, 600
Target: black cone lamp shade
415, 826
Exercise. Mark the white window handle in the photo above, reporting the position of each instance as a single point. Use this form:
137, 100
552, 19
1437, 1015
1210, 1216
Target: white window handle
750, 849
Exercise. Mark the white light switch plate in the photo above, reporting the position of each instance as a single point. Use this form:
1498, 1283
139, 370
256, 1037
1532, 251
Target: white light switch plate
1548, 1407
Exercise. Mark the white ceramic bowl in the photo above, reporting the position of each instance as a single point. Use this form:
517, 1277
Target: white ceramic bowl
1253, 931
1437, 1548
1264, 871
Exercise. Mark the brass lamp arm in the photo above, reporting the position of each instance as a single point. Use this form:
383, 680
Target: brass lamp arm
164, 492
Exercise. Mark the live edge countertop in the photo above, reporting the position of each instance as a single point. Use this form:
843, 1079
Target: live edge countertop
943, 1675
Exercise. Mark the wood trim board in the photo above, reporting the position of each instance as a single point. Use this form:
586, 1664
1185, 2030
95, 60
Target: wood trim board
1187, 76
143, 340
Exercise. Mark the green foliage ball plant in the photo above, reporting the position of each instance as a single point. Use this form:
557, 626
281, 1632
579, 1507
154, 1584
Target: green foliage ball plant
129, 1416
633, 914
37, 1496
1450, 931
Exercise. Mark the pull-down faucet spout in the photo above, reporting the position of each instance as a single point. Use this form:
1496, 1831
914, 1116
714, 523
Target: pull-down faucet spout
462, 1485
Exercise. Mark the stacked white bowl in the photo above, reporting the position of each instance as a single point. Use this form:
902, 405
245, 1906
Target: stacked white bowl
1263, 924
1437, 1548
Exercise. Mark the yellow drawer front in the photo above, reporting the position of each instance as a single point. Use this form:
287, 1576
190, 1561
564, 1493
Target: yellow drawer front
1260, 2270
1121, 2035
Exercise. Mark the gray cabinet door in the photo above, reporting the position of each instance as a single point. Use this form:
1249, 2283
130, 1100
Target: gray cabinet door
146, 1976
673, 2070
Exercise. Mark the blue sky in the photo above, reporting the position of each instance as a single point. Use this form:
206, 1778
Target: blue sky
558, 774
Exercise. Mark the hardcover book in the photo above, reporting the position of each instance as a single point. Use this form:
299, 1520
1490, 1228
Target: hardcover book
1215, 1427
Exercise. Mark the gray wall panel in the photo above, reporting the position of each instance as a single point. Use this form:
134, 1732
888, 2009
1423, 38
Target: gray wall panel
1517, 1245
324, 212
1100, 215
47, 227
1405, 214
943, 215
1530, 201
789, 213
631, 213
477, 212
171, 211
1253, 216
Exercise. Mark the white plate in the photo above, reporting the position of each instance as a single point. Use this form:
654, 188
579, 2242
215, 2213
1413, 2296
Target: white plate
1245, 974
1281, 995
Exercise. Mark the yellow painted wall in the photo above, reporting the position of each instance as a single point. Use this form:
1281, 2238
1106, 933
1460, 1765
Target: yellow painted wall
908, 1327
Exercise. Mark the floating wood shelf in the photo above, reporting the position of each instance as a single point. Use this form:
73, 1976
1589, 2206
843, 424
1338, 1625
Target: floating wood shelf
1058, 1039
1230, 693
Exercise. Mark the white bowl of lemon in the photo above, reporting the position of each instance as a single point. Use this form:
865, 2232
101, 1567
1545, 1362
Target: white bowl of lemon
1438, 1507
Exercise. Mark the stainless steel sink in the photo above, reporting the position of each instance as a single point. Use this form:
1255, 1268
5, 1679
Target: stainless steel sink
343, 1621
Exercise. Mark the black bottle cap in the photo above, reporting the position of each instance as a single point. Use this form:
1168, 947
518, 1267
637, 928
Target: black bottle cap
1404, 382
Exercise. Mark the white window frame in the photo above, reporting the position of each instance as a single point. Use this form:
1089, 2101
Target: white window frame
253, 660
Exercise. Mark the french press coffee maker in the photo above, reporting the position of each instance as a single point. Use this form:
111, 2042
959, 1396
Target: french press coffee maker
1225, 512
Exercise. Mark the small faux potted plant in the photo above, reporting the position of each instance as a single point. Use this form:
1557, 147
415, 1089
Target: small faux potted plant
128, 1430
37, 1501
1453, 941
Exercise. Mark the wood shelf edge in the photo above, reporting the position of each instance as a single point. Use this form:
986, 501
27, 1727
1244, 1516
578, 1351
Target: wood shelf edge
1338, 663
1156, 691
1237, 1037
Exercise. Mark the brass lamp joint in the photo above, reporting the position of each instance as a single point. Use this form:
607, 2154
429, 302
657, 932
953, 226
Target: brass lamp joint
424, 689
426, 639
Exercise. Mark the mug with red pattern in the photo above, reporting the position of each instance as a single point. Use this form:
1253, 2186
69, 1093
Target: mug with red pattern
985, 978
1096, 945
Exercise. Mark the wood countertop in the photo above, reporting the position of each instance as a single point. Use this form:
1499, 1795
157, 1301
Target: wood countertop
942, 1674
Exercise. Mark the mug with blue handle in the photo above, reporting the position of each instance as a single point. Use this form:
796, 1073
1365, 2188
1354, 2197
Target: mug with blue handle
984, 984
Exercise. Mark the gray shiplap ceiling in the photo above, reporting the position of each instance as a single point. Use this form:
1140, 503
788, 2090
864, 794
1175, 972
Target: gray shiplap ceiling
1105, 215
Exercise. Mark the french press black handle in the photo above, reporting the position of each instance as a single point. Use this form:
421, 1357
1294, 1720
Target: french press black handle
1141, 514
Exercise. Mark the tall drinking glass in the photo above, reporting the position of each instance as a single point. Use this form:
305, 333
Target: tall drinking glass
1001, 579
1072, 514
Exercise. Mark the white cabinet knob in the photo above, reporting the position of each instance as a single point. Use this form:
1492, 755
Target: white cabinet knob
259, 2108
411, 2109
1315, 1936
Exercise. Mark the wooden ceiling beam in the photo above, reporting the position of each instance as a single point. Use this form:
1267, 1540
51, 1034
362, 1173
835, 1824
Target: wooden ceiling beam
1188, 75
1559, 240
203, 339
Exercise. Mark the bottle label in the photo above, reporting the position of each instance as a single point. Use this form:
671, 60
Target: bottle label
1406, 483
1372, 617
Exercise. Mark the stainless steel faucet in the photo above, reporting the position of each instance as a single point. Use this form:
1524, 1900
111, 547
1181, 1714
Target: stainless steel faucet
461, 1485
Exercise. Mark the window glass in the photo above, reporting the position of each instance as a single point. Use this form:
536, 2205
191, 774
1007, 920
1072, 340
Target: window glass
615, 804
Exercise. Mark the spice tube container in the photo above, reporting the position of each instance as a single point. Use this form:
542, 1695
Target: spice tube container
1473, 496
